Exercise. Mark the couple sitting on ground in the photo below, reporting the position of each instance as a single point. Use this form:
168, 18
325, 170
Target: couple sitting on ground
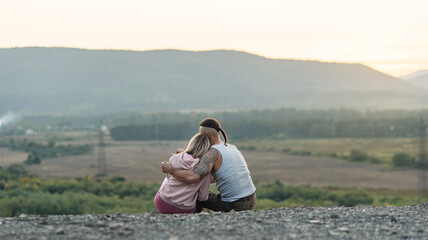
206, 159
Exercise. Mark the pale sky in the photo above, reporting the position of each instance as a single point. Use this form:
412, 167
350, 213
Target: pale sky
388, 35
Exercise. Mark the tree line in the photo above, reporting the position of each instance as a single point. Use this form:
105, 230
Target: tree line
262, 115
39, 151
277, 129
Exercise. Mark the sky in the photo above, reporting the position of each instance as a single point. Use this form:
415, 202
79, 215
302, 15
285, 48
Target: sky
388, 35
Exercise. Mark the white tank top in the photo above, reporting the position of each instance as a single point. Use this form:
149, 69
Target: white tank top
233, 178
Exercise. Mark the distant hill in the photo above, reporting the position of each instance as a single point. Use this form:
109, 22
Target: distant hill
419, 79
78, 81
414, 75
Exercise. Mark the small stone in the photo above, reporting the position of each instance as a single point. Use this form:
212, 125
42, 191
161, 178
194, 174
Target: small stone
393, 219
115, 226
128, 228
50, 228
333, 233
334, 215
22, 215
60, 231
310, 215
343, 229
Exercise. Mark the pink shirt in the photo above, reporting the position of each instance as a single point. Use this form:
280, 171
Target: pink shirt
184, 195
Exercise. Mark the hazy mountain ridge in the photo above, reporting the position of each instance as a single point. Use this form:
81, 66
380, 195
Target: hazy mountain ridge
418, 79
66, 80
414, 75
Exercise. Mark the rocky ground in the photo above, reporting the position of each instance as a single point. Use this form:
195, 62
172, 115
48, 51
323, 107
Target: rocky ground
410, 222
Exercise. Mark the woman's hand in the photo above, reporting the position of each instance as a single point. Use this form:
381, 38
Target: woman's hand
212, 179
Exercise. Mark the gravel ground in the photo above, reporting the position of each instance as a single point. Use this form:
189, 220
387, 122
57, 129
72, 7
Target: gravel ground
410, 222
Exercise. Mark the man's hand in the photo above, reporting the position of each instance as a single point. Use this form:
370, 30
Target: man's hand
202, 169
166, 167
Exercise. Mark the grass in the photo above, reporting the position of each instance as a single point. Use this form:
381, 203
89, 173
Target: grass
140, 161
34, 196
377, 197
382, 148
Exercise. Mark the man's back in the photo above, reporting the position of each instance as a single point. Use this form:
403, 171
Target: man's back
233, 177
237, 191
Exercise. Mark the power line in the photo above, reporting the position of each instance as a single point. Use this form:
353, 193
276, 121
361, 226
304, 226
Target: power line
102, 165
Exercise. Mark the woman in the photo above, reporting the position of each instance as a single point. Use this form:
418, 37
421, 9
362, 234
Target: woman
178, 197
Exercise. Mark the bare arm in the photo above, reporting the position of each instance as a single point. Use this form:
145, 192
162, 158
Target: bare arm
187, 176
201, 170
206, 164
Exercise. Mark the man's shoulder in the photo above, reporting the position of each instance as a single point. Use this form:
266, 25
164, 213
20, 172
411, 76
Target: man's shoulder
223, 146
211, 155
229, 148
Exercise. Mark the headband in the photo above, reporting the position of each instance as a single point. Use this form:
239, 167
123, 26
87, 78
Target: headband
213, 123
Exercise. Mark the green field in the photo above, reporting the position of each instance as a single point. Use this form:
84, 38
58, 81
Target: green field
382, 148
327, 164
23, 192
303, 180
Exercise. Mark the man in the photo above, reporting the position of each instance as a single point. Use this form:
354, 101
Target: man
229, 169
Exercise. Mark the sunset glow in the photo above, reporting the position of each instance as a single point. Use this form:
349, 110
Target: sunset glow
389, 36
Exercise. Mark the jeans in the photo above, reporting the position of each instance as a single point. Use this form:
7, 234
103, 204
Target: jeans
215, 203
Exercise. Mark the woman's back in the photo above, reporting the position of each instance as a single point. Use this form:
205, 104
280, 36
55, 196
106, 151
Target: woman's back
184, 195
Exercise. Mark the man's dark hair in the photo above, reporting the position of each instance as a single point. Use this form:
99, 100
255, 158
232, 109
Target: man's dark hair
213, 123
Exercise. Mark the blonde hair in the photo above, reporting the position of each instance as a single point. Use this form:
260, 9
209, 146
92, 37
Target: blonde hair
198, 145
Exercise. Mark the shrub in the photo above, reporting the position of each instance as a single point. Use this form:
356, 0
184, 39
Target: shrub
403, 160
33, 158
51, 144
422, 164
301, 153
358, 156
286, 150
374, 159
49, 150
117, 179
305, 153
355, 198
17, 170
275, 191
100, 175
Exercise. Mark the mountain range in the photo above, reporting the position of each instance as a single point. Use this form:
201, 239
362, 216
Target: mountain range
418, 79
71, 81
